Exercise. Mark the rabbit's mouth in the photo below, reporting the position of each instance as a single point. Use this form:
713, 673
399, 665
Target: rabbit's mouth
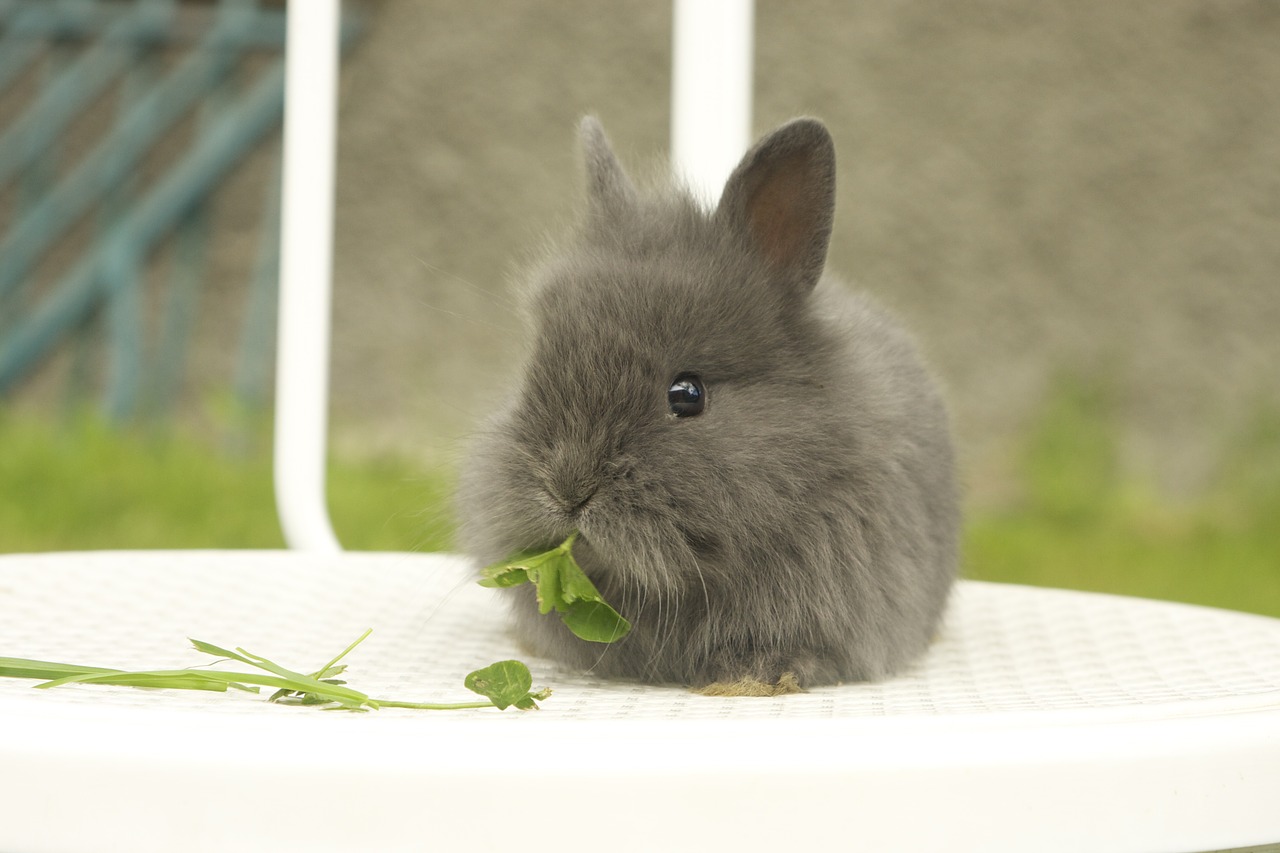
567, 505
575, 506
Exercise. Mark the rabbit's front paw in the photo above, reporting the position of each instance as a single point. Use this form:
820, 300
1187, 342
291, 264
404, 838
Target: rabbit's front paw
751, 686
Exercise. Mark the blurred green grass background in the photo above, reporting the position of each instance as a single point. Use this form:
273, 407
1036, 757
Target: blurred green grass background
1072, 518
81, 483
1078, 521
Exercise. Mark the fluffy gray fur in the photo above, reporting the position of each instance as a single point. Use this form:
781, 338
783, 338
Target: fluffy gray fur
805, 522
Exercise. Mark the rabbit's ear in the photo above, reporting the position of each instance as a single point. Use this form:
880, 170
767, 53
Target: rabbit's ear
782, 199
609, 190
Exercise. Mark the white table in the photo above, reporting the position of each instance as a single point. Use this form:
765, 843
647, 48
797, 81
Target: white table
1043, 720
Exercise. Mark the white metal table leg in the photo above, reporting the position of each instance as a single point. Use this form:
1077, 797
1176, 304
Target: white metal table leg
711, 91
306, 253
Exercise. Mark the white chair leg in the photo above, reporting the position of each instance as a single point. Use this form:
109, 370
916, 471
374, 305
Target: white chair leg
711, 91
306, 254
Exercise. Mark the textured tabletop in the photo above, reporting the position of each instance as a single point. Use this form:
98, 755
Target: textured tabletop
1088, 722
1002, 648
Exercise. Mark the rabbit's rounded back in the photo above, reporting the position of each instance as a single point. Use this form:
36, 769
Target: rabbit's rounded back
804, 520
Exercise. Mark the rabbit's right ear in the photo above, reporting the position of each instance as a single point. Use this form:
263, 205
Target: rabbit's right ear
609, 190
781, 198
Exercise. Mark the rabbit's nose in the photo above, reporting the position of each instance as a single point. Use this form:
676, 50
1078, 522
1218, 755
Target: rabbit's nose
574, 502
571, 493
570, 481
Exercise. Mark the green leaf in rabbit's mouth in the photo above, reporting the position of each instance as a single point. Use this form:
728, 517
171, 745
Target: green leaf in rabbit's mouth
562, 586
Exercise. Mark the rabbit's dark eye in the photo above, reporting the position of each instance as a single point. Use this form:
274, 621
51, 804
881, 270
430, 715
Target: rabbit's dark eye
686, 396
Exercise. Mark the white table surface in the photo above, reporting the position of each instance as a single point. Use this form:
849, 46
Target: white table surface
1063, 720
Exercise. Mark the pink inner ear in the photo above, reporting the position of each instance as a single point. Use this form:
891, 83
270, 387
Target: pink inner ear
782, 212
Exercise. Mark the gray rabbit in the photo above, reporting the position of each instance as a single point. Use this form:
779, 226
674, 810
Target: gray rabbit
758, 463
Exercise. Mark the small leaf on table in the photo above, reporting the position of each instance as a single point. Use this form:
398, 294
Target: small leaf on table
504, 683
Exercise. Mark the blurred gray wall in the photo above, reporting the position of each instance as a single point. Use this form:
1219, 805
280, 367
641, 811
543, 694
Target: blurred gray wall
1091, 187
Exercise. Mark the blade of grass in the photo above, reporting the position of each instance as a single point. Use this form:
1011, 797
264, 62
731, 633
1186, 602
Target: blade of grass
216, 651
185, 679
27, 668
434, 706
326, 674
324, 671
290, 680
271, 666
179, 679
57, 673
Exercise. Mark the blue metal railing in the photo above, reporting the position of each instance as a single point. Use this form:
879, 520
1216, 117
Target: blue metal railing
116, 45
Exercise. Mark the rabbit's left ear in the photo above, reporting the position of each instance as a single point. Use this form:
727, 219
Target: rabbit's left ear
609, 190
781, 198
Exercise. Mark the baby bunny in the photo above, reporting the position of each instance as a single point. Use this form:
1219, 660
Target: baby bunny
758, 464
